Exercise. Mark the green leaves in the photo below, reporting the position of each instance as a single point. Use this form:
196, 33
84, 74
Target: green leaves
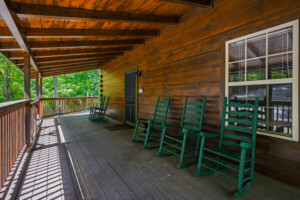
69, 85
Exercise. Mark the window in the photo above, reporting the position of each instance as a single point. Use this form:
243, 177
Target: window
265, 65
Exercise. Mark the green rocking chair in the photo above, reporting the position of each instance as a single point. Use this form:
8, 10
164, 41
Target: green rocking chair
151, 134
186, 144
240, 149
99, 114
95, 108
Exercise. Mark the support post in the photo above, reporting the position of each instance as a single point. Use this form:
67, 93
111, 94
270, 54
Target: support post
41, 87
27, 95
37, 87
41, 96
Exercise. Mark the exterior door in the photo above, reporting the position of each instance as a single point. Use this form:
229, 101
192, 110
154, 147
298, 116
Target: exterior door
130, 97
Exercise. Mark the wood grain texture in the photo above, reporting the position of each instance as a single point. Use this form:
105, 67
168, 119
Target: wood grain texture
189, 60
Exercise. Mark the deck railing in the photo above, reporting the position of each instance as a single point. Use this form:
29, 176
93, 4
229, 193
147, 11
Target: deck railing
13, 128
12, 132
58, 106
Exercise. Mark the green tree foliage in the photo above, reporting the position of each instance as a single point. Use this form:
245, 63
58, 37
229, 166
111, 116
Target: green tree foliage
78, 84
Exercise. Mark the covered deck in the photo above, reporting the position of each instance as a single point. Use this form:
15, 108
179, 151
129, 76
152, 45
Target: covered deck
146, 49
77, 159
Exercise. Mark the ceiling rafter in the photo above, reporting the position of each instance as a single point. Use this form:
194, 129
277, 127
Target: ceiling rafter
198, 3
71, 33
75, 62
12, 22
56, 12
77, 57
51, 44
55, 53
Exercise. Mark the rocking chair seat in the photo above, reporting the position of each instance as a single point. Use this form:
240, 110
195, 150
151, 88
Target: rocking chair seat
227, 153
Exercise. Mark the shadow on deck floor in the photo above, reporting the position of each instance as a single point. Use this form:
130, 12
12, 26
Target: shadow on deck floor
109, 166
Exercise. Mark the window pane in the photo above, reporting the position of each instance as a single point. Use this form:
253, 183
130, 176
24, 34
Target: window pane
237, 72
237, 94
280, 41
237, 51
256, 69
259, 91
280, 66
256, 47
280, 108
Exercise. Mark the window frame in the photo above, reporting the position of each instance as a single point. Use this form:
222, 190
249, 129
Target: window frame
294, 80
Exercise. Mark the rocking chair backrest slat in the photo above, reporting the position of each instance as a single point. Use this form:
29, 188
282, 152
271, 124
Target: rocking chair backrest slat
161, 111
192, 115
102, 102
106, 104
240, 118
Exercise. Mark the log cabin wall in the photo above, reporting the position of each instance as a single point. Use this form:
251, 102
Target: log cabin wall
189, 60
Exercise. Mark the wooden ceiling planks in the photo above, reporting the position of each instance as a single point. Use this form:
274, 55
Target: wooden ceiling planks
80, 32
198, 3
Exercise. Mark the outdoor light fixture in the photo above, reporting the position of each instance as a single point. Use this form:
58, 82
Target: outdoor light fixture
138, 74
141, 90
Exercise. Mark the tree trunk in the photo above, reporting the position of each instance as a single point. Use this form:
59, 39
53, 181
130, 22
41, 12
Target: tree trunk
56, 94
96, 83
6, 85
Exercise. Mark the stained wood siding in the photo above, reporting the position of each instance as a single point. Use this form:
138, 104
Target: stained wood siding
189, 60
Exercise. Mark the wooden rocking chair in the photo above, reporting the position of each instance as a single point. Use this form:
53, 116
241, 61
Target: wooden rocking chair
99, 114
241, 119
186, 144
95, 108
152, 133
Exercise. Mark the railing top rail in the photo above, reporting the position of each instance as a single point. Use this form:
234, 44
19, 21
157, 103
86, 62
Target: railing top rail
61, 98
35, 102
12, 105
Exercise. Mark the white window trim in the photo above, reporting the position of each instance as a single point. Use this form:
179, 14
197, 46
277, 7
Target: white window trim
294, 80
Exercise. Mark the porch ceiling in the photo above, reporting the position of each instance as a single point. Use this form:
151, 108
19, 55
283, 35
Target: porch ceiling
88, 34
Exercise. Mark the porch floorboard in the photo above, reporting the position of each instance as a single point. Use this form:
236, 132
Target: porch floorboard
76, 159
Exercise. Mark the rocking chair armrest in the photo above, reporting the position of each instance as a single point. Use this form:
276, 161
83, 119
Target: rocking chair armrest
149, 121
246, 145
142, 119
211, 135
171, 126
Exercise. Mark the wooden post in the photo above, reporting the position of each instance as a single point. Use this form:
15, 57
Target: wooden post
41, 87
41, 96
27, 95
37, 87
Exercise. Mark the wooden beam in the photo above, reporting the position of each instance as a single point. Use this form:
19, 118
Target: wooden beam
69, 72
74, 61
13, 55
56, 12
198, 3
51, 44
77, 57
62, 32
5, 33
27, 95
73, 64
69, 67
9, 46
55, 53
8, 54
41, 87
12, 22
37, 87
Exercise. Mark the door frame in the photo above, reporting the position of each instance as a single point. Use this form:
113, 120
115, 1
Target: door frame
130, 72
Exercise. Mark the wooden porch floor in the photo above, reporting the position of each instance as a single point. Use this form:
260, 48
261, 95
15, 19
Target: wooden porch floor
76, 159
